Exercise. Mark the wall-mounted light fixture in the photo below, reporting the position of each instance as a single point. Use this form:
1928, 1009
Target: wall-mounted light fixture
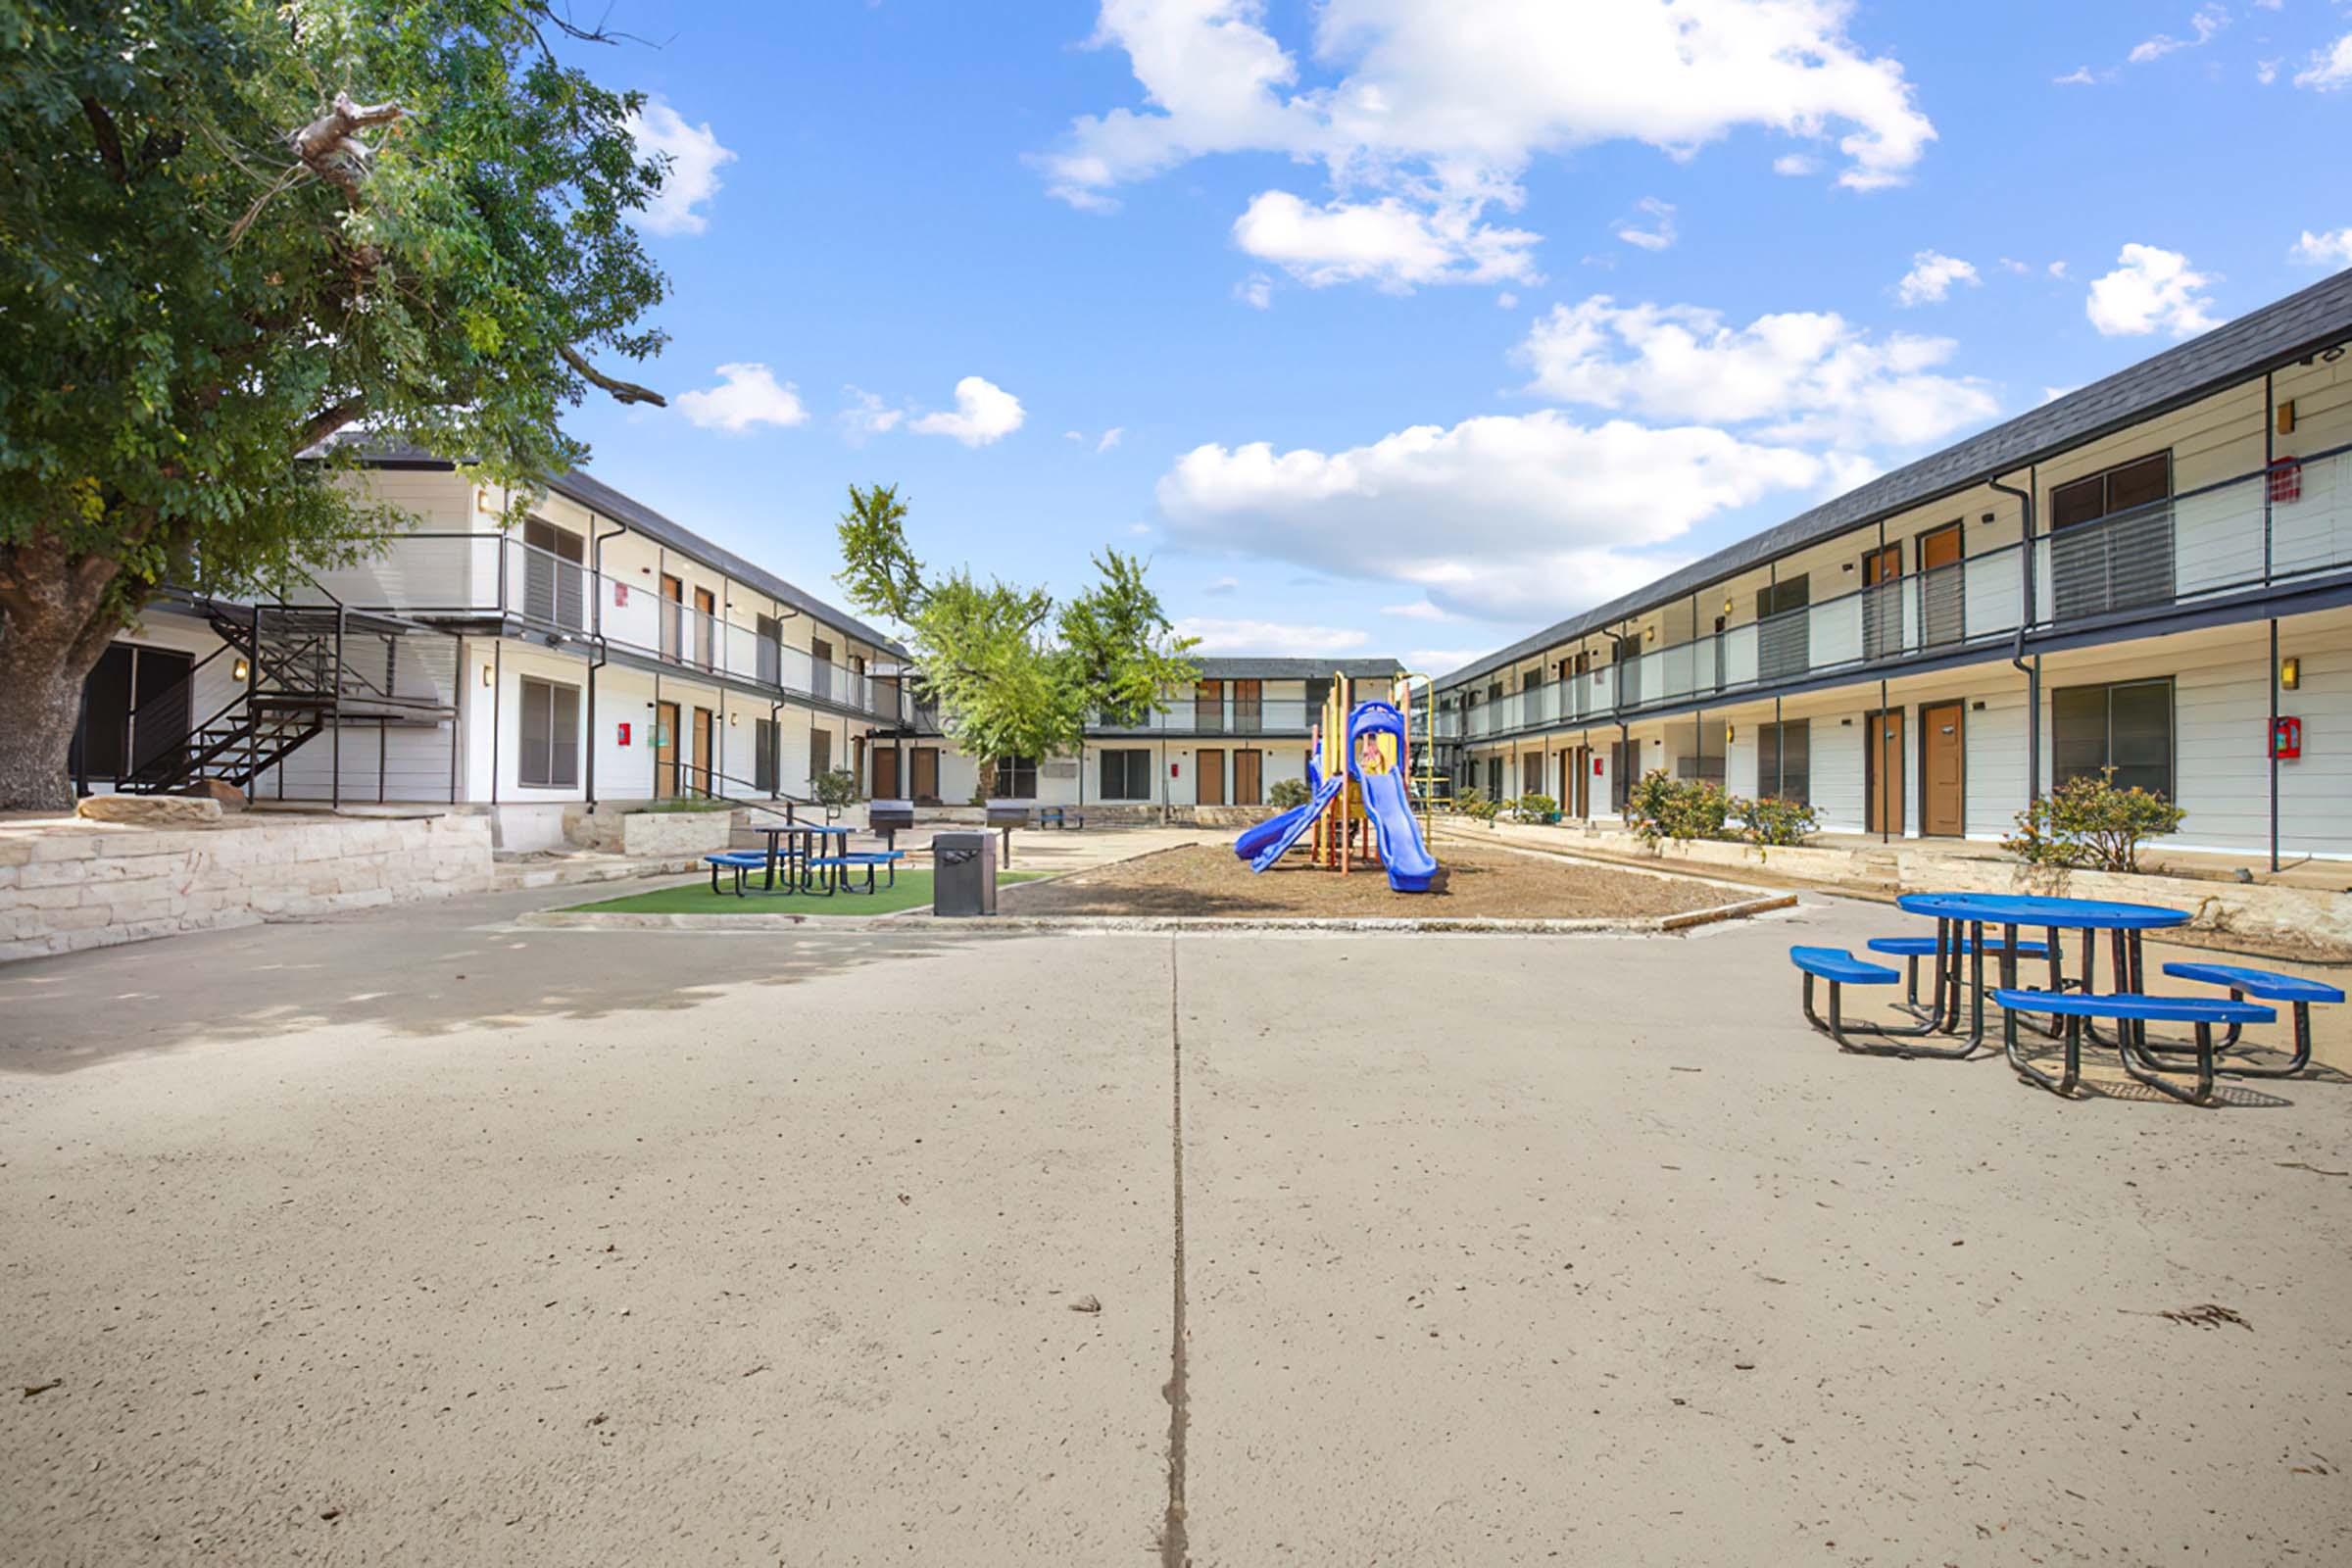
2290, 673
488, 676
1731, 733
243, 669
1726, 604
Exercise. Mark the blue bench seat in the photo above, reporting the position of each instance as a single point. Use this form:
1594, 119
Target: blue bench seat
740, 861
1840, 970
1840, 967
2263, 983
2131, 1011
835, 867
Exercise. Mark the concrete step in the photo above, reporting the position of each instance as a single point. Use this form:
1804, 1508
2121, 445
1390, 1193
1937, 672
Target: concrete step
513, 872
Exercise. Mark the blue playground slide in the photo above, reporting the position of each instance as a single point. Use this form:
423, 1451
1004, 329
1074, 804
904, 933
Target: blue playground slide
1270, 841
1410, 863
1255, 837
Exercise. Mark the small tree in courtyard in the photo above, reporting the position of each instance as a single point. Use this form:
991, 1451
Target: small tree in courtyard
1011, 674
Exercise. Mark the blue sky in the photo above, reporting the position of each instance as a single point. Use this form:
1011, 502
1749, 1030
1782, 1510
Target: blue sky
1421, 324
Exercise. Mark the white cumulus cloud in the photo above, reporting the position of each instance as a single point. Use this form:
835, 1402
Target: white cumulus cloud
2151, 290
1932, 276
1501, 515
2330, 68
1389, 242
1414, 102
867, 415
1803, 376
1110, 438
984, 412
747, 396
1659, 235
2323, 250
691, 159
2208, 21
1275, 639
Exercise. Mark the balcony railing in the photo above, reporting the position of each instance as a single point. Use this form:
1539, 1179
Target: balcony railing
1194, 716
442, 575
2291, 520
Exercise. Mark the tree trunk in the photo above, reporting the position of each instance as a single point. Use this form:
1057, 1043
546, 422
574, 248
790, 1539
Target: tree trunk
54, 623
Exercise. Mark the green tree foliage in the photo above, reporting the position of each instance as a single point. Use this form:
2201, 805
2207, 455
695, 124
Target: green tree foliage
230, 229
1010, 677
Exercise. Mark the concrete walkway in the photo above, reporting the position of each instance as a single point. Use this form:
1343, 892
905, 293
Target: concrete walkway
410, 1238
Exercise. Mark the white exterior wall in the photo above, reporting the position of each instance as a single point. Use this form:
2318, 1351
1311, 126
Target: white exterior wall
1993, 745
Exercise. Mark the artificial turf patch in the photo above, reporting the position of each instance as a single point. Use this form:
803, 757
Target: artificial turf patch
913, 892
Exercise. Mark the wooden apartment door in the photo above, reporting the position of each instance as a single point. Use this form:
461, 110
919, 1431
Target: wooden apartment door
1882, 605
922, 774
701, 751
885, 773
1249, 779
1942, 800
1208, 778
665, 750
1576, 778
673, 614
1885, 768
1942, 587
705, 625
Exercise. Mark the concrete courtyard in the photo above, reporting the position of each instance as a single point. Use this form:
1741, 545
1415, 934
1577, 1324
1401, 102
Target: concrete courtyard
418, 1236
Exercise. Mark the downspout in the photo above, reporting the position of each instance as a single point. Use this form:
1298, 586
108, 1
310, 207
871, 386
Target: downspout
596, 574
2017, 653
2269, 456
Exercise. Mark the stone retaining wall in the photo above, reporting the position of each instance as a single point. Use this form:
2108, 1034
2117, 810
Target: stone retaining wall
64, 886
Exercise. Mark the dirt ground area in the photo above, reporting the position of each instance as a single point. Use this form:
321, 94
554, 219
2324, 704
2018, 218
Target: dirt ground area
1471, 884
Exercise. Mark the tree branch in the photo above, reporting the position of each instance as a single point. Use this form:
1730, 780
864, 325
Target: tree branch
327, 421
110, 141
328, 148
622, 391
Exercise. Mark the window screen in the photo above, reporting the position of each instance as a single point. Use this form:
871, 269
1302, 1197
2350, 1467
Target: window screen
551, 735
1126, 775
1785, 761
2126, 727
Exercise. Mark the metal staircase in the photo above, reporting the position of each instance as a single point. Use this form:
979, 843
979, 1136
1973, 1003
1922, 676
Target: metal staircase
302, 674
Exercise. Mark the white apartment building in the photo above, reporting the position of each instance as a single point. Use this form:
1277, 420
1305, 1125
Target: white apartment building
2151, 574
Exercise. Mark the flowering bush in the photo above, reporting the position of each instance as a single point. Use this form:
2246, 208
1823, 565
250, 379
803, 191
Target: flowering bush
1661, 806
2087, 823
1775, 823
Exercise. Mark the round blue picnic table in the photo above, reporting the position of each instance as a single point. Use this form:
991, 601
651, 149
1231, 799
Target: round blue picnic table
1974, 912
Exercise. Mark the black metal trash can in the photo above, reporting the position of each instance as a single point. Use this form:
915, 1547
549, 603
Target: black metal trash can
964, 874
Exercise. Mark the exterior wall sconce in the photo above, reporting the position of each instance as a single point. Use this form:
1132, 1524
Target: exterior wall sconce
243, 669
488, 676
2290, 673
1731, 733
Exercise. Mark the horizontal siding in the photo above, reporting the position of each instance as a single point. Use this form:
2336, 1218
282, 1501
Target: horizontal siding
1837, 782
1995, 744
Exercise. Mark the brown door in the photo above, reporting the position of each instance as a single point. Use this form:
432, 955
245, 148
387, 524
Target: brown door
1208, 781
705, 625
923, 774
1249, 779
885, 773
1942, 594
1209, 707
1248, 716
1886, 770
701, 751
673, 615
1942, 802
665, 750
1882, 602
1576, 775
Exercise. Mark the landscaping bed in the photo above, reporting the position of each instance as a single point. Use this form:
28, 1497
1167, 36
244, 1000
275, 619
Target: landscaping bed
1209, 880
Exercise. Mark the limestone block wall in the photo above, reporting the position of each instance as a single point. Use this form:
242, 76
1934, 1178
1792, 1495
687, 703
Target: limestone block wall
64, 886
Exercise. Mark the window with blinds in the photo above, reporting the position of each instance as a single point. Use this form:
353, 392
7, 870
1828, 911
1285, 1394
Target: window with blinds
2126, 726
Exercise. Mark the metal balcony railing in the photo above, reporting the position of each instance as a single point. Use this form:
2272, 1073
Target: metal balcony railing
2291, 520
445, 575
1191, 715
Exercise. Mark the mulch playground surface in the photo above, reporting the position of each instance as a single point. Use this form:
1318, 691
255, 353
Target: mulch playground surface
1471, 884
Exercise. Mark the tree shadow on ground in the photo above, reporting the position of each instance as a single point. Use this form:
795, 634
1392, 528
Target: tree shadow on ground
423, 970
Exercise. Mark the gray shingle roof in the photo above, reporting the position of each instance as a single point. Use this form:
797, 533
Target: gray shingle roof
603, 499
2318, 317
1243, 666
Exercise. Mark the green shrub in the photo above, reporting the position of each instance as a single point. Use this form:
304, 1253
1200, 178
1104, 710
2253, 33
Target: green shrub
1773, 822
1288, 794
1531, 807
1661, 806
1472, 803
2088, 824
834, 789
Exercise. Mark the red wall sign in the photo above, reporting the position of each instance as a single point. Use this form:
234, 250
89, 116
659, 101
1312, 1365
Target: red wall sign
624, 732
2286, 737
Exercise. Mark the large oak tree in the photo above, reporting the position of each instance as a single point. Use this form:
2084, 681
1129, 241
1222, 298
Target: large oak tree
232, 229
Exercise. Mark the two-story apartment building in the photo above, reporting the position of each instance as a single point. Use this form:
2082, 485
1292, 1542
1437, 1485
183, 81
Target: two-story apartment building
602, 655
2151, 575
